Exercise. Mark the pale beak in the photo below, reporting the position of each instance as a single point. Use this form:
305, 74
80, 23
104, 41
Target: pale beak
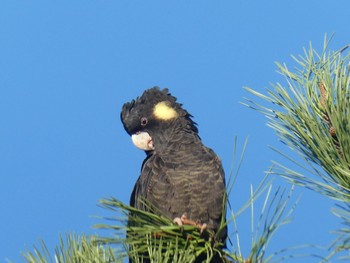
143, 141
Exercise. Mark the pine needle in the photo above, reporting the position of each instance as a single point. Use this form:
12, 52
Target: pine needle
311, 115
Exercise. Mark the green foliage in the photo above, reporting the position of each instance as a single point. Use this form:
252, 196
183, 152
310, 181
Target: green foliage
76, 249
163, 241
311, 116
274, 213
157, 237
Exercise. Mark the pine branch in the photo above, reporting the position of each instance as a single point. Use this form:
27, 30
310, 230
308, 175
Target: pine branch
311, 116
148, 234
75, 249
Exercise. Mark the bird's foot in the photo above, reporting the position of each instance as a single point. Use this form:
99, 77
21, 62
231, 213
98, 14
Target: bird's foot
183, 220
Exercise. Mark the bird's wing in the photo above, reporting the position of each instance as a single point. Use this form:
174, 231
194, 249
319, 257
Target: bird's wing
188, 181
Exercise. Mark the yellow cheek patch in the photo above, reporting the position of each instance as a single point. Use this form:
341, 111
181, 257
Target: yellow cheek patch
164, 112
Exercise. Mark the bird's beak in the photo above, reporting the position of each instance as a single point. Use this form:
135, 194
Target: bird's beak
143, 141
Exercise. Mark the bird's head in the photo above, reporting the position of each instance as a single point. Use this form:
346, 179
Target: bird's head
153, 118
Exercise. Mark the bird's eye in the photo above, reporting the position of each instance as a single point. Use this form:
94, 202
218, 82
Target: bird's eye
144, 121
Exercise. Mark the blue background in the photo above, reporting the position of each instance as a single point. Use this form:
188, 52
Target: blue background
66, 68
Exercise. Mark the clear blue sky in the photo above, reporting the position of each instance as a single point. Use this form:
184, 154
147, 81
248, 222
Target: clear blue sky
66, 68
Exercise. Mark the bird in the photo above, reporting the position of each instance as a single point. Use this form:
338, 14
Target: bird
180, 177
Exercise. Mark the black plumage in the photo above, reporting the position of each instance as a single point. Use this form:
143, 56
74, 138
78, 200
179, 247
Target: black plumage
179, 174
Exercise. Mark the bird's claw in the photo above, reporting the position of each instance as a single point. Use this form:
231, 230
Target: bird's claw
183, 220
178, 221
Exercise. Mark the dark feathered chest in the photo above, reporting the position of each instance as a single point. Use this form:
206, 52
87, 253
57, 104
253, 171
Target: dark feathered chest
188, 179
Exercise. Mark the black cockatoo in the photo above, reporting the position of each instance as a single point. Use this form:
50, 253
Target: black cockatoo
180, 177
